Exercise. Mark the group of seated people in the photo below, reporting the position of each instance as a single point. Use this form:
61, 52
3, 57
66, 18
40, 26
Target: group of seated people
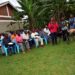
23, 40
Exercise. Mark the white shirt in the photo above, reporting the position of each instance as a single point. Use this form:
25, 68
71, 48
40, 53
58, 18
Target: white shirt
47, 31
35, 35
25, 36
2, 37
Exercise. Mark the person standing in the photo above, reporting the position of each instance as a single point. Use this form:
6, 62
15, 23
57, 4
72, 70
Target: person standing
64, 29
53, 27
71, 24
71, 21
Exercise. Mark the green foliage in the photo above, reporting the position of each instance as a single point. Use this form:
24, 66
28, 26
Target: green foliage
40, 11
16, 15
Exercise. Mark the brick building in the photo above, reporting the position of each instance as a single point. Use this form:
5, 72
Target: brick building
7, 8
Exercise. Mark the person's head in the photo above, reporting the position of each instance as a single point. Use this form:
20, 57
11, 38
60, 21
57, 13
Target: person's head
3, 34
18, 34
33, 30
14, 33
26, 32
6, 36
62, 18
53, 20
46, 26
29, 32
71, 15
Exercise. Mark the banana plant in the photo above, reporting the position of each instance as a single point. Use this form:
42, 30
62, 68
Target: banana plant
40, 11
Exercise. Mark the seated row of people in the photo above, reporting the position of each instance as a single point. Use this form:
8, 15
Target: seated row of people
20, 41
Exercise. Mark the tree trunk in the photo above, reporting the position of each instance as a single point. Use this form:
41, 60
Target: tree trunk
32, 22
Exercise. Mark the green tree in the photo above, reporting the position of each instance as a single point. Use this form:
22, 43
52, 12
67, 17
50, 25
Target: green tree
27, 6
17, 17
40, 11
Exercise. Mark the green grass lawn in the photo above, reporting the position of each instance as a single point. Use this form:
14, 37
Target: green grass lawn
50, 60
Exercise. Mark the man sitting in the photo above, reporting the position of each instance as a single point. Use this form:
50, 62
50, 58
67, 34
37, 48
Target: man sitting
46, 33
37, 38
25, 37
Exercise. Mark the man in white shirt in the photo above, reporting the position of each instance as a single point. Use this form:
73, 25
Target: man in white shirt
25, 37
37, 38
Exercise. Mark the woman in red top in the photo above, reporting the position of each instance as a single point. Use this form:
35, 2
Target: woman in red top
53, 27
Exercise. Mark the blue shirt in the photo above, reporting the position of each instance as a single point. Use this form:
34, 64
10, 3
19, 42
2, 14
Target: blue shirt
71, 21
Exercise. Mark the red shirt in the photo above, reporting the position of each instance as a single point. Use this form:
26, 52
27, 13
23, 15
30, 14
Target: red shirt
53, 27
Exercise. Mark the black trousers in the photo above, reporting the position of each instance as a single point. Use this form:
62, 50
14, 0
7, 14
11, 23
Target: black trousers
54, 38
65, 35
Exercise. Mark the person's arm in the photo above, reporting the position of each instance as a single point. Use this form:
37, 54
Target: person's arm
49, 32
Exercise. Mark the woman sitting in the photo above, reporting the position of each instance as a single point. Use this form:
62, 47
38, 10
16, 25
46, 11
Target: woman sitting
8, 43
19, 41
